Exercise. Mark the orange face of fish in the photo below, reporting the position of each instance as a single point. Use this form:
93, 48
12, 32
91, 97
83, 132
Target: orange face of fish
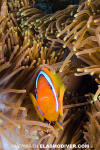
48, 98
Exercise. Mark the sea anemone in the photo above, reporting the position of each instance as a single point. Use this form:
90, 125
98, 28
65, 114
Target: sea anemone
66, 42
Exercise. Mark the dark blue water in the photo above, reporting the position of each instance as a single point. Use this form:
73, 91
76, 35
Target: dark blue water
51, 6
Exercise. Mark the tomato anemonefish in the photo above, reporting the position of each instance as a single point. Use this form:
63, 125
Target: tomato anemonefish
48, 100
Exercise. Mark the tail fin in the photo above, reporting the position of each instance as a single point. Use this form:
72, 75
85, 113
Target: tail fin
59, 125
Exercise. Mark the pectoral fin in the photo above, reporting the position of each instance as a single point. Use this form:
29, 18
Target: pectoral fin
34, 101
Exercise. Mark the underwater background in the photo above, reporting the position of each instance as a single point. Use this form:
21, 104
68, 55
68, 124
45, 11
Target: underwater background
62, 36
51, 6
